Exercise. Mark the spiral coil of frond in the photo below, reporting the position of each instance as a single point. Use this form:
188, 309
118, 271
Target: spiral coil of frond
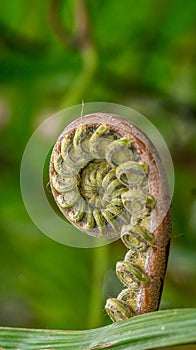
101, 183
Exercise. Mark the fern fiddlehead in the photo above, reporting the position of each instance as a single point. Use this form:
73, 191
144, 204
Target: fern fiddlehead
107, 179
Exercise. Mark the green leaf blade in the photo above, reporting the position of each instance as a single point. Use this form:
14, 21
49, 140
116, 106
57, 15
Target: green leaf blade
148, 331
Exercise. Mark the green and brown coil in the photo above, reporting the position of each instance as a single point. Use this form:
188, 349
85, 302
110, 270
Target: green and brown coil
108, 180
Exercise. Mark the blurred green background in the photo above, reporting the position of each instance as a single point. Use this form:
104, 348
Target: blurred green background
54, 54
